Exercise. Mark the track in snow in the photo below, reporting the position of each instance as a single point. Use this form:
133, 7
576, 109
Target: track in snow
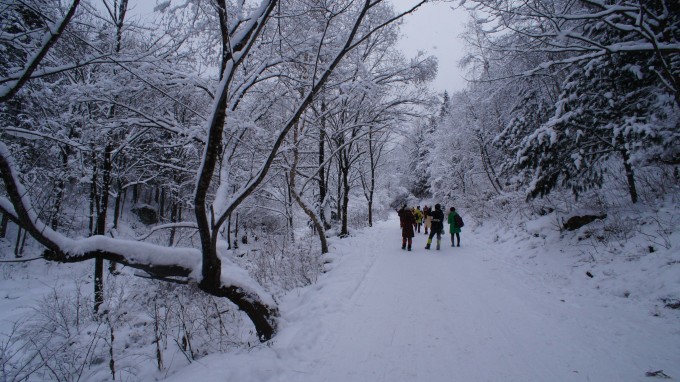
458, 314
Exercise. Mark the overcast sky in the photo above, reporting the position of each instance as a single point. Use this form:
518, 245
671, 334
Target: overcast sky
434, 28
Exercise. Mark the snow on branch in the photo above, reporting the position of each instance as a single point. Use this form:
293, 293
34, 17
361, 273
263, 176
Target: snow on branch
8, 90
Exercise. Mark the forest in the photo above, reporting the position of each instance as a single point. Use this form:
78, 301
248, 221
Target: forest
196, 162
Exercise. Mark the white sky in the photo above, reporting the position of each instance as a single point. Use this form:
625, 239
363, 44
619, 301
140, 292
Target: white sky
435, 28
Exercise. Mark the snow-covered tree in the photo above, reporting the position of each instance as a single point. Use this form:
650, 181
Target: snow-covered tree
233, 134
611, 71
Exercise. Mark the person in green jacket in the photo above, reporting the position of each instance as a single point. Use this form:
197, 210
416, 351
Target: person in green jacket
455, 223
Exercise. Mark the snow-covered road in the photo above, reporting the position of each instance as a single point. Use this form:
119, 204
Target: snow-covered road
458, 314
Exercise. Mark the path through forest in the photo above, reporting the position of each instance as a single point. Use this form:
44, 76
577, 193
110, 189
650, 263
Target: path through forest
458, 314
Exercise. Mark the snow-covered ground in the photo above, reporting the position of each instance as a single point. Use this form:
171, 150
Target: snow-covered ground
499, 308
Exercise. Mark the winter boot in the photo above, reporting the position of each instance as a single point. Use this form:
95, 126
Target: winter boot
429, 241
438, 244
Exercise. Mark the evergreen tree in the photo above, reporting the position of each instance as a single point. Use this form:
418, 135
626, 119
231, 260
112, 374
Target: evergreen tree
425, 139
419, 158
616, 108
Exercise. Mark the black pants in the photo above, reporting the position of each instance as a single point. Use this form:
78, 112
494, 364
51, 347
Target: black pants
457, 237
435, 231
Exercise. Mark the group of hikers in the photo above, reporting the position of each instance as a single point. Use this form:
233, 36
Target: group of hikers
412, 219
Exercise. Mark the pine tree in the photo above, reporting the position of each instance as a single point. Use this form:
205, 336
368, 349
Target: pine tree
616, 109
420, 184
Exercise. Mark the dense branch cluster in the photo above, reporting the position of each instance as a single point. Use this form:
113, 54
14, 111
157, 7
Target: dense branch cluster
564, 95
187, 120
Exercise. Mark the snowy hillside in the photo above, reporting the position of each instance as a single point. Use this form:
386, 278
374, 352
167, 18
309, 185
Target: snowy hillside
506, 305
206, 190
495, 309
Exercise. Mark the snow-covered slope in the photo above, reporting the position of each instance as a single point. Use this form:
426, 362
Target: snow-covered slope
496, 309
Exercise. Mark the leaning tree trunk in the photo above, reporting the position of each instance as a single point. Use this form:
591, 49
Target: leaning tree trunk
318, 224
488, 166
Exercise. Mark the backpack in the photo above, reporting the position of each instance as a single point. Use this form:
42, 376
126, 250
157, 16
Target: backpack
459, 221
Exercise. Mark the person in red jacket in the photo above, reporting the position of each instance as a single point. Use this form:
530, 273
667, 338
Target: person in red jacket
407, 220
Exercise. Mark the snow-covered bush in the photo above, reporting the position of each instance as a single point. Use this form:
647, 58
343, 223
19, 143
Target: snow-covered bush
145, 325
280, 265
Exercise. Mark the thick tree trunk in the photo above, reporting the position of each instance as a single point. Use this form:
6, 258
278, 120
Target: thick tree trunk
262, 315
23, 242
17, 244
3, 225
135, 194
